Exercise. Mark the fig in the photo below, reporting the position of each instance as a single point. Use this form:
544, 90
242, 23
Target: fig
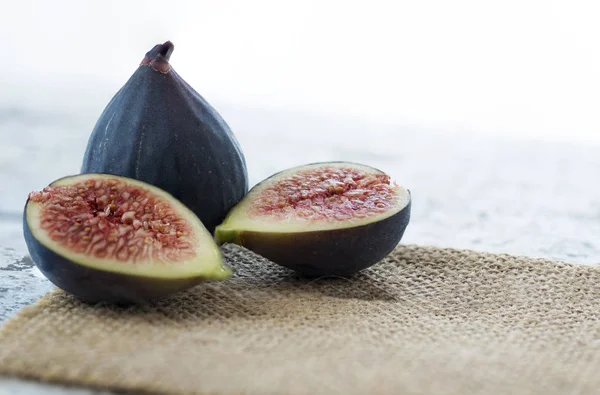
321, 219
105, 238
159, 130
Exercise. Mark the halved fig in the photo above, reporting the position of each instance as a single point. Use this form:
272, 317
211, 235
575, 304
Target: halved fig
114, 239
331, 218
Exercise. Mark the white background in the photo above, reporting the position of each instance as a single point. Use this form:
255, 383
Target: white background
518, 68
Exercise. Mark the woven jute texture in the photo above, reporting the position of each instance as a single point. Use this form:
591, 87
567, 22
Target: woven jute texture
424, 321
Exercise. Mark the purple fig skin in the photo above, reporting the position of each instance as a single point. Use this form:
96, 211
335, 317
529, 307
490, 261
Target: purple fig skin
97, 286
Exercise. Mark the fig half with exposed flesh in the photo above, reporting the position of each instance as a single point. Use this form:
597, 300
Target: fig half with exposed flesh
331, 218
114, 239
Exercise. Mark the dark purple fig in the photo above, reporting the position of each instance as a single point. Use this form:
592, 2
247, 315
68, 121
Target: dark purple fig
159, 130
333, 218
105, 238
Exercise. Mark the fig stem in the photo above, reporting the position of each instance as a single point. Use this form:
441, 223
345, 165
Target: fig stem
224, 235
158, 57
166, 50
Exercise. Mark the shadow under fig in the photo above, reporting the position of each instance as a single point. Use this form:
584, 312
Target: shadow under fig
258, 288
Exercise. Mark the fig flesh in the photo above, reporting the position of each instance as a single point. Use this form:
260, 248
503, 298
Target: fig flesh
331, 218
105, 238
159, 130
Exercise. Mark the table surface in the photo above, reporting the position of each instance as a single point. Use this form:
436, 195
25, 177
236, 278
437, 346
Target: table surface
484, 193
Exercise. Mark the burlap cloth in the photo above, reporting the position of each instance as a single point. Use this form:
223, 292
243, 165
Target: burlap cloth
424, 321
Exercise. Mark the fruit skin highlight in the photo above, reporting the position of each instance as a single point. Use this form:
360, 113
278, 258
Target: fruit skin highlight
159, 130
341, 249
93, 282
